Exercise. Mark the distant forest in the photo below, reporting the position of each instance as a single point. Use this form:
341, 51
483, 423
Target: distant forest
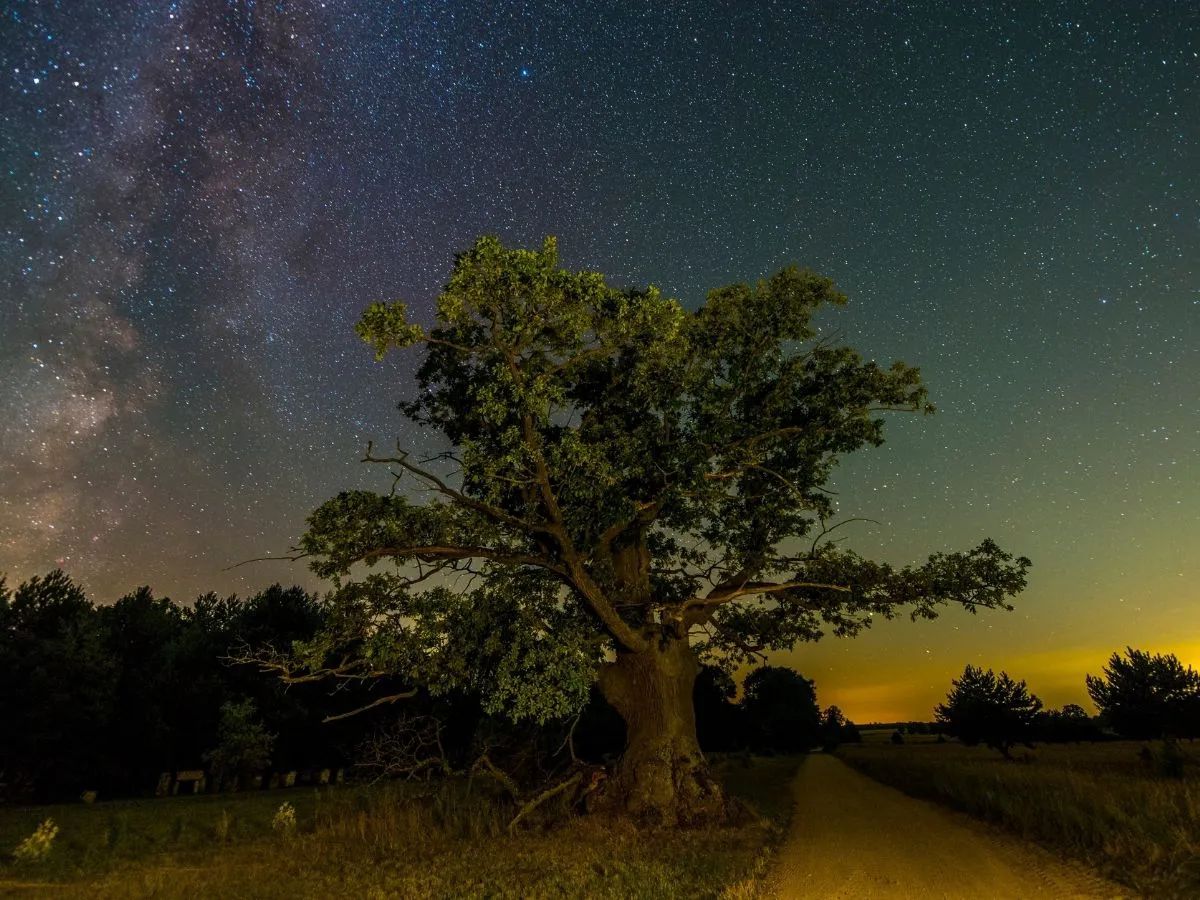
109, 697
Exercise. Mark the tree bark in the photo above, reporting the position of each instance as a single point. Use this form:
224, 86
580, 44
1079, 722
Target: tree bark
662, 779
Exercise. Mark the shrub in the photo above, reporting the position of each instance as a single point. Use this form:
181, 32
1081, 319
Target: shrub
245, 745
284, 820
39, 844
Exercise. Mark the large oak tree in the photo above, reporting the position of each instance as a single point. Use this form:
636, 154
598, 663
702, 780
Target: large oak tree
619, 487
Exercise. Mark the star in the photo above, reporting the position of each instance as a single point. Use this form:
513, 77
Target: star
198, 206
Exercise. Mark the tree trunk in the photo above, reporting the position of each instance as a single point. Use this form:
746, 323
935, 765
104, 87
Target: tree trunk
662, 778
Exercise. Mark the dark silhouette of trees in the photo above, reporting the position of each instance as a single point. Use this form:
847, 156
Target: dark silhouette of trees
837, 729
627, 480
108, 697
782, 714
833, 724
1144, 696
1070, 724
720, 721
985, 708
56, 687
141, 637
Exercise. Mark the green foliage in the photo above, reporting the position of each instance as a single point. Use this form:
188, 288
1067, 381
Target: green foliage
991, 709
650, 470
1147, 695
244, 743
38, 845
513, 641
385, 326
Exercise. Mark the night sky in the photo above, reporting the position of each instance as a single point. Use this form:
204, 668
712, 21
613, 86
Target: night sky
200, 197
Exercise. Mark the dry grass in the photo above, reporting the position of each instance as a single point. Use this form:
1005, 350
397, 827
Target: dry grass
394, 840
1101, 803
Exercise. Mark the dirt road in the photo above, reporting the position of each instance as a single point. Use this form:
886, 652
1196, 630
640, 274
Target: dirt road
855, 838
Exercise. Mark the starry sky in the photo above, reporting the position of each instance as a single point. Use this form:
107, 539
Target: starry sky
199, 197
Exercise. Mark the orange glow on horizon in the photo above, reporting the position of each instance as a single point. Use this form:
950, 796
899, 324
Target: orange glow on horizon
904, 694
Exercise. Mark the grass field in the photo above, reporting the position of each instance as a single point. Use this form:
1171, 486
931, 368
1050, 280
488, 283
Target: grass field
399, 839
1100, 803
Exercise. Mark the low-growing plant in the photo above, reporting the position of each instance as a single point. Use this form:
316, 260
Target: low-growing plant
38, 845
284, 820
1168, 758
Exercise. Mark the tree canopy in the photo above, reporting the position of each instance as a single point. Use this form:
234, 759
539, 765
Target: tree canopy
665, 467
985, 708
781, 710
1144, 695
615, 482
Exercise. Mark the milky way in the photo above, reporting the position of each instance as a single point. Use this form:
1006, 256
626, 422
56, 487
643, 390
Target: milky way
199, 198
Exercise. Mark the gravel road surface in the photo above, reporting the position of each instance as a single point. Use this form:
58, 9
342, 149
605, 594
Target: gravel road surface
853, 837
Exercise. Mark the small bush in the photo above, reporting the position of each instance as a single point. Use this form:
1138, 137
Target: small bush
38, 845
1168, 761
284, 821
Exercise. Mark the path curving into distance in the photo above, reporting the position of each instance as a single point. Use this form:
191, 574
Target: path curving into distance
852, 837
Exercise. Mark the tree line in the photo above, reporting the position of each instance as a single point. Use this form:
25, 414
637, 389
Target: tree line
107, 697
1139, 695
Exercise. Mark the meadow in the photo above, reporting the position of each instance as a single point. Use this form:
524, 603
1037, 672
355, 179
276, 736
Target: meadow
1105, 804
399, 839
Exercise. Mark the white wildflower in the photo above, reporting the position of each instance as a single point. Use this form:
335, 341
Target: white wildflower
285, 819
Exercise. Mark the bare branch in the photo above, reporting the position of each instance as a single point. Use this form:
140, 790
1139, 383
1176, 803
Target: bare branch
485, 764
536, 801
645, 512
435, 552
492, 512
731, 590
297, 555
409, 748
832, 528
381, 701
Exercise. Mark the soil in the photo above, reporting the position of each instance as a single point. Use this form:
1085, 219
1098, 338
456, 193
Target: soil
853, 837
